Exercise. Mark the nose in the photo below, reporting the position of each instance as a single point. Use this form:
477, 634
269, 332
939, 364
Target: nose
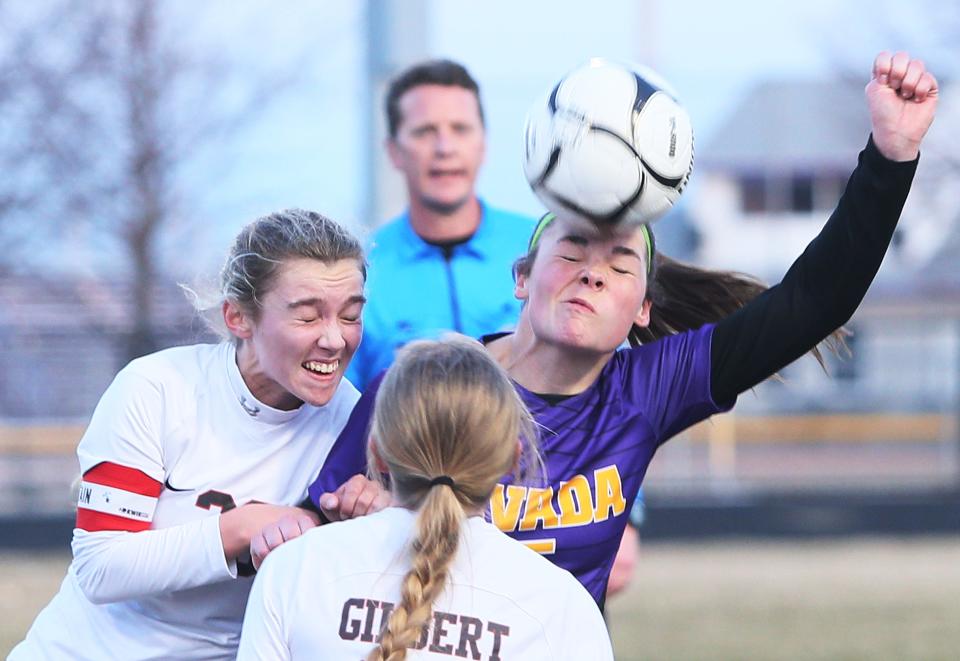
591, 279
444, 143
331, 338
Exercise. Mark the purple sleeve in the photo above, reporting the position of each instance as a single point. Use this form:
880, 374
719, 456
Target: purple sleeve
670, 380
348, 456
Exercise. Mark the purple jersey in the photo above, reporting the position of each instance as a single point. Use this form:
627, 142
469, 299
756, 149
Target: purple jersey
596, 446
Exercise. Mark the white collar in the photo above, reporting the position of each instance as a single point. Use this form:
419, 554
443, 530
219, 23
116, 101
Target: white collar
250, 405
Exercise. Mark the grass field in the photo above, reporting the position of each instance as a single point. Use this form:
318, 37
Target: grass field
866, 599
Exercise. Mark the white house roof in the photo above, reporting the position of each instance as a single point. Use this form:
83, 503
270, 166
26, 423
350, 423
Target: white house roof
790, 125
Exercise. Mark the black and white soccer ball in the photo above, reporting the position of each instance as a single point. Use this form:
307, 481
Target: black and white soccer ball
610, 143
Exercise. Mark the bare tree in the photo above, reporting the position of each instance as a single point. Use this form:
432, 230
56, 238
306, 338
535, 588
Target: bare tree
106, 108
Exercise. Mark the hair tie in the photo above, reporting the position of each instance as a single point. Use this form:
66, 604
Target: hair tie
442, 479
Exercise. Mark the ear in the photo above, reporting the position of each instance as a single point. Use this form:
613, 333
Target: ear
378, 462
483, 146
520, 288
394, 152
238, 322
643, 317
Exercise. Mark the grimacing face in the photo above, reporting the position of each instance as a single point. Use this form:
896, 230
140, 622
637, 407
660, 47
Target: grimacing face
439, 145
587, 286
304, 335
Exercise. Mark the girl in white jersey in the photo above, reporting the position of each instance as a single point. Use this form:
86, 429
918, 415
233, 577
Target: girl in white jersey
188, 445
428, 576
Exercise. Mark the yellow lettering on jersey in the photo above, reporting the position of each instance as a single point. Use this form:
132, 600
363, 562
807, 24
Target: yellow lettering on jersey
505, 506
576, 502
609, 491
542, 546
539, 510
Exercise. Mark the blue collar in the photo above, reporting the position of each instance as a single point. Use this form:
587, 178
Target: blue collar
480, 245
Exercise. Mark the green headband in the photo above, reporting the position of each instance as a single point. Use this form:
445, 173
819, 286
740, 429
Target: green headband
549, 217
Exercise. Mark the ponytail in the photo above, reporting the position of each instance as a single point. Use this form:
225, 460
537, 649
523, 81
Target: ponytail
433, 549
685, 297
446, 424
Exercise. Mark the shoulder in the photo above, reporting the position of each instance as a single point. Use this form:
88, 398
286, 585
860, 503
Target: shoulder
528, 578
371, 531
372, 541
156, 381
520, 559
129, 424
176, 363
344, 400
666, 351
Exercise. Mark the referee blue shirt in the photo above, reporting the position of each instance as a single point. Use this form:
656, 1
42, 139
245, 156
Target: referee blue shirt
419, 290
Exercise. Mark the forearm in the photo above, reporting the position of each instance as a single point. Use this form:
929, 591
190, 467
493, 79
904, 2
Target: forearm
823, 287
236, 531
113, 565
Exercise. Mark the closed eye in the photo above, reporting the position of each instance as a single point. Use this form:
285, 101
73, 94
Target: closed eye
422, 131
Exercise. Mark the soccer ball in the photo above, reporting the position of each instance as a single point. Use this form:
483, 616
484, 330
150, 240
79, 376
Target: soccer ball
609, 144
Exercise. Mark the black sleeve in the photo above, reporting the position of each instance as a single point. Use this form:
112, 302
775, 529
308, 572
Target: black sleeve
822, 289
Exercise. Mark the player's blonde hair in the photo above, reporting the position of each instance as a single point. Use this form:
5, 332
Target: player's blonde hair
260, 251
446, 425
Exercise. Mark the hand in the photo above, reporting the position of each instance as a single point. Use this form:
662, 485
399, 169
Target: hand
358, 496
278, 532
239, 526
902, 98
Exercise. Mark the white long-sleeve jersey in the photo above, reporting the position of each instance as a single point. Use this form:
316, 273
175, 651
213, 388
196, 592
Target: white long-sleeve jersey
176, 439
328, 594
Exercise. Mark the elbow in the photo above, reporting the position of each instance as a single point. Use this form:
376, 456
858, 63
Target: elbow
92, 583
91, 568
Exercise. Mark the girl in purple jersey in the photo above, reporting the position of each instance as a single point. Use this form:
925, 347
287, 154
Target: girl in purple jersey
697, 343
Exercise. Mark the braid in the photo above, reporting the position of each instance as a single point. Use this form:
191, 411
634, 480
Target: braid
445, 425
438, 535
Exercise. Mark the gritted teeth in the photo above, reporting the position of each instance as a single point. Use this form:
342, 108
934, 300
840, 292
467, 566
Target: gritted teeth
322, 368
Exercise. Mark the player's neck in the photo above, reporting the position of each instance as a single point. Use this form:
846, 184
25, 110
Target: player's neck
262, 387
438, 226
544, 367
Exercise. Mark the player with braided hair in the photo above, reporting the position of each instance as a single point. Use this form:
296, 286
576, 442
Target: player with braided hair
445, 428
700, 340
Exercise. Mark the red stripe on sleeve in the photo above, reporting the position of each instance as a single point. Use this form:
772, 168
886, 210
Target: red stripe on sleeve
123, 477
97, 521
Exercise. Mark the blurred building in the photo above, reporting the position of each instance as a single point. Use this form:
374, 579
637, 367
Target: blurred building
767, 183
62, 341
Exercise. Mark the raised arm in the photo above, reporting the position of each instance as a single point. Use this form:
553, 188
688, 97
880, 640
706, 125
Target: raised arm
824, 286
